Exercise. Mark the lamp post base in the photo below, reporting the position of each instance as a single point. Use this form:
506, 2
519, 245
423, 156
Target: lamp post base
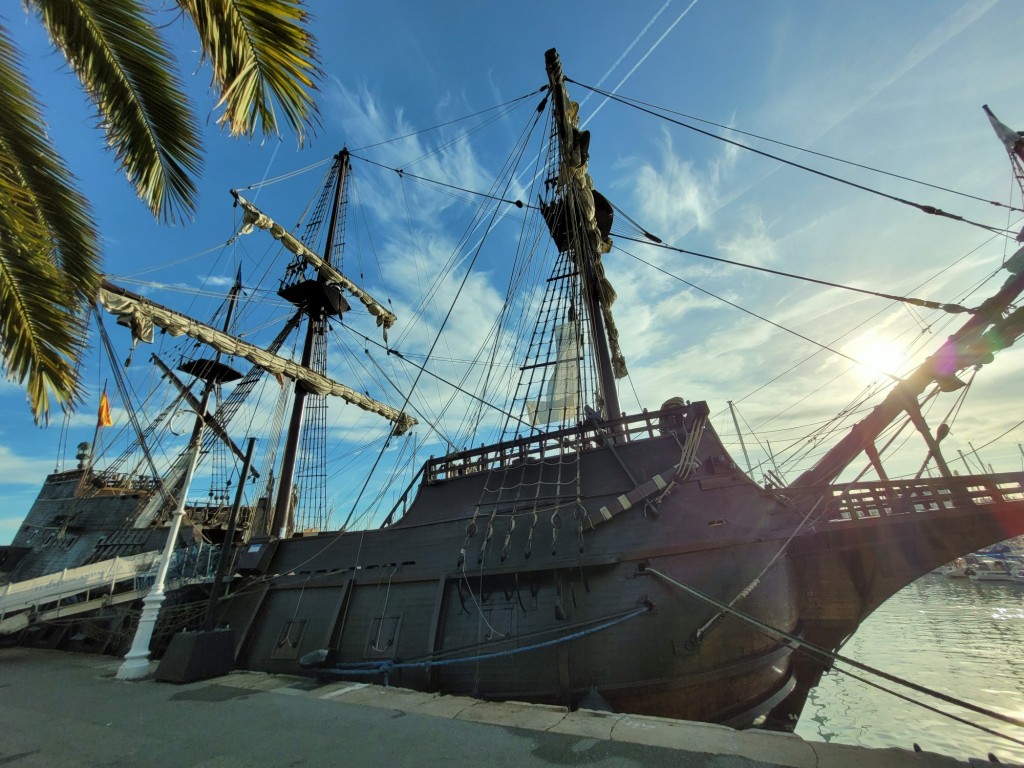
136, 662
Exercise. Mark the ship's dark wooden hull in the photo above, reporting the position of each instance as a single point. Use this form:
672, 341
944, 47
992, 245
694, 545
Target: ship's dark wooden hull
876, 538
81, 516
73, 522
400, 595
455, 598
396, 605
645, 664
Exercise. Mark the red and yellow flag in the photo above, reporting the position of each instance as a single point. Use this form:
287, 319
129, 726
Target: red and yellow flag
103, 419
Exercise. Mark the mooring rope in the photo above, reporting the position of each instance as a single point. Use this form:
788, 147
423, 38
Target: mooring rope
699, 635
831, 656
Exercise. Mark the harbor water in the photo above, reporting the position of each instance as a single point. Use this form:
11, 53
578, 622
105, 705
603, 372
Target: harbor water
958, 636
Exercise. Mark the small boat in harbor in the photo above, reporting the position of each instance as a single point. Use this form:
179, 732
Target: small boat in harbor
992, 569
957, 569
995, 563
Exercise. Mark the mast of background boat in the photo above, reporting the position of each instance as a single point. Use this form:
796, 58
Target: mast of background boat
315, 328
209, 373
572, 155
739, 434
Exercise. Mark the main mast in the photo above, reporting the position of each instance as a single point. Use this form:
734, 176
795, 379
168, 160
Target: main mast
319, 300
575, 214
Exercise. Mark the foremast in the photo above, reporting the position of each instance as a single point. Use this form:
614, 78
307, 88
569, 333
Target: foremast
317, 297
573, 220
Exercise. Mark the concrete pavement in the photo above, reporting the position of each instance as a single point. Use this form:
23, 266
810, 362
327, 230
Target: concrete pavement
61, 709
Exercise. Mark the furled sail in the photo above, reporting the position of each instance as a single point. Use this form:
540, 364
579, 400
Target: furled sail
141, 315
254, 217
561, 402
574, 179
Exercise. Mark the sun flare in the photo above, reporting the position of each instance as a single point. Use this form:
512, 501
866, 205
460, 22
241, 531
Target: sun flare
877, 356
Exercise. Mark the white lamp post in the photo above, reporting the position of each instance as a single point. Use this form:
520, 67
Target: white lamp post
136, 662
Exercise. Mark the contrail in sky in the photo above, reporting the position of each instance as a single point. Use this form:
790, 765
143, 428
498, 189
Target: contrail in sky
631, 46
642, 58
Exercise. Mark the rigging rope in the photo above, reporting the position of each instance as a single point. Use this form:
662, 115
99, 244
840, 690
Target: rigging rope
826, 655
754, 314
708, 625
124, 389
657, 242
630, 101
407, 175
929, 209
505, 105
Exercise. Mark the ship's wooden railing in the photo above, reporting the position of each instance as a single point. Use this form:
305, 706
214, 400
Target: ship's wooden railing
866, 501
123, 481
580, 438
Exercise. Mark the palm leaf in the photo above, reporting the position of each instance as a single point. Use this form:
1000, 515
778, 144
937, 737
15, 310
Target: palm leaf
262, 54
127, 71
48, 250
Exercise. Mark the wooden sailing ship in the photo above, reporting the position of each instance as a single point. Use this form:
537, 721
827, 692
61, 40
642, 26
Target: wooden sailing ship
602, 556
623, 555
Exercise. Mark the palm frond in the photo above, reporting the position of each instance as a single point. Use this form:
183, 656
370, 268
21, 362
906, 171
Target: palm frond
262, 54
48, 250
127, 71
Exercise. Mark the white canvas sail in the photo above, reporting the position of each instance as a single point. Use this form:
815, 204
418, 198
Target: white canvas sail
254, 217
561, 402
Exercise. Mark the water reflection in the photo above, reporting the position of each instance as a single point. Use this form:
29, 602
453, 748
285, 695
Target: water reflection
957, 636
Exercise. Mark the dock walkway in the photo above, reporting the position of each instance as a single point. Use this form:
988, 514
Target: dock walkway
61, 710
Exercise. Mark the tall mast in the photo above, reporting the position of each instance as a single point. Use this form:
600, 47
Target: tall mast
319, 301
213, 372
575, 210
1013, 141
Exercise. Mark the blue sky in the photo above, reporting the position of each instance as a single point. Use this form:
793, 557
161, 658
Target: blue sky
889, 85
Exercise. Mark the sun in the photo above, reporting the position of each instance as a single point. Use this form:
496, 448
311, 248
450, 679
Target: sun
877, 356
